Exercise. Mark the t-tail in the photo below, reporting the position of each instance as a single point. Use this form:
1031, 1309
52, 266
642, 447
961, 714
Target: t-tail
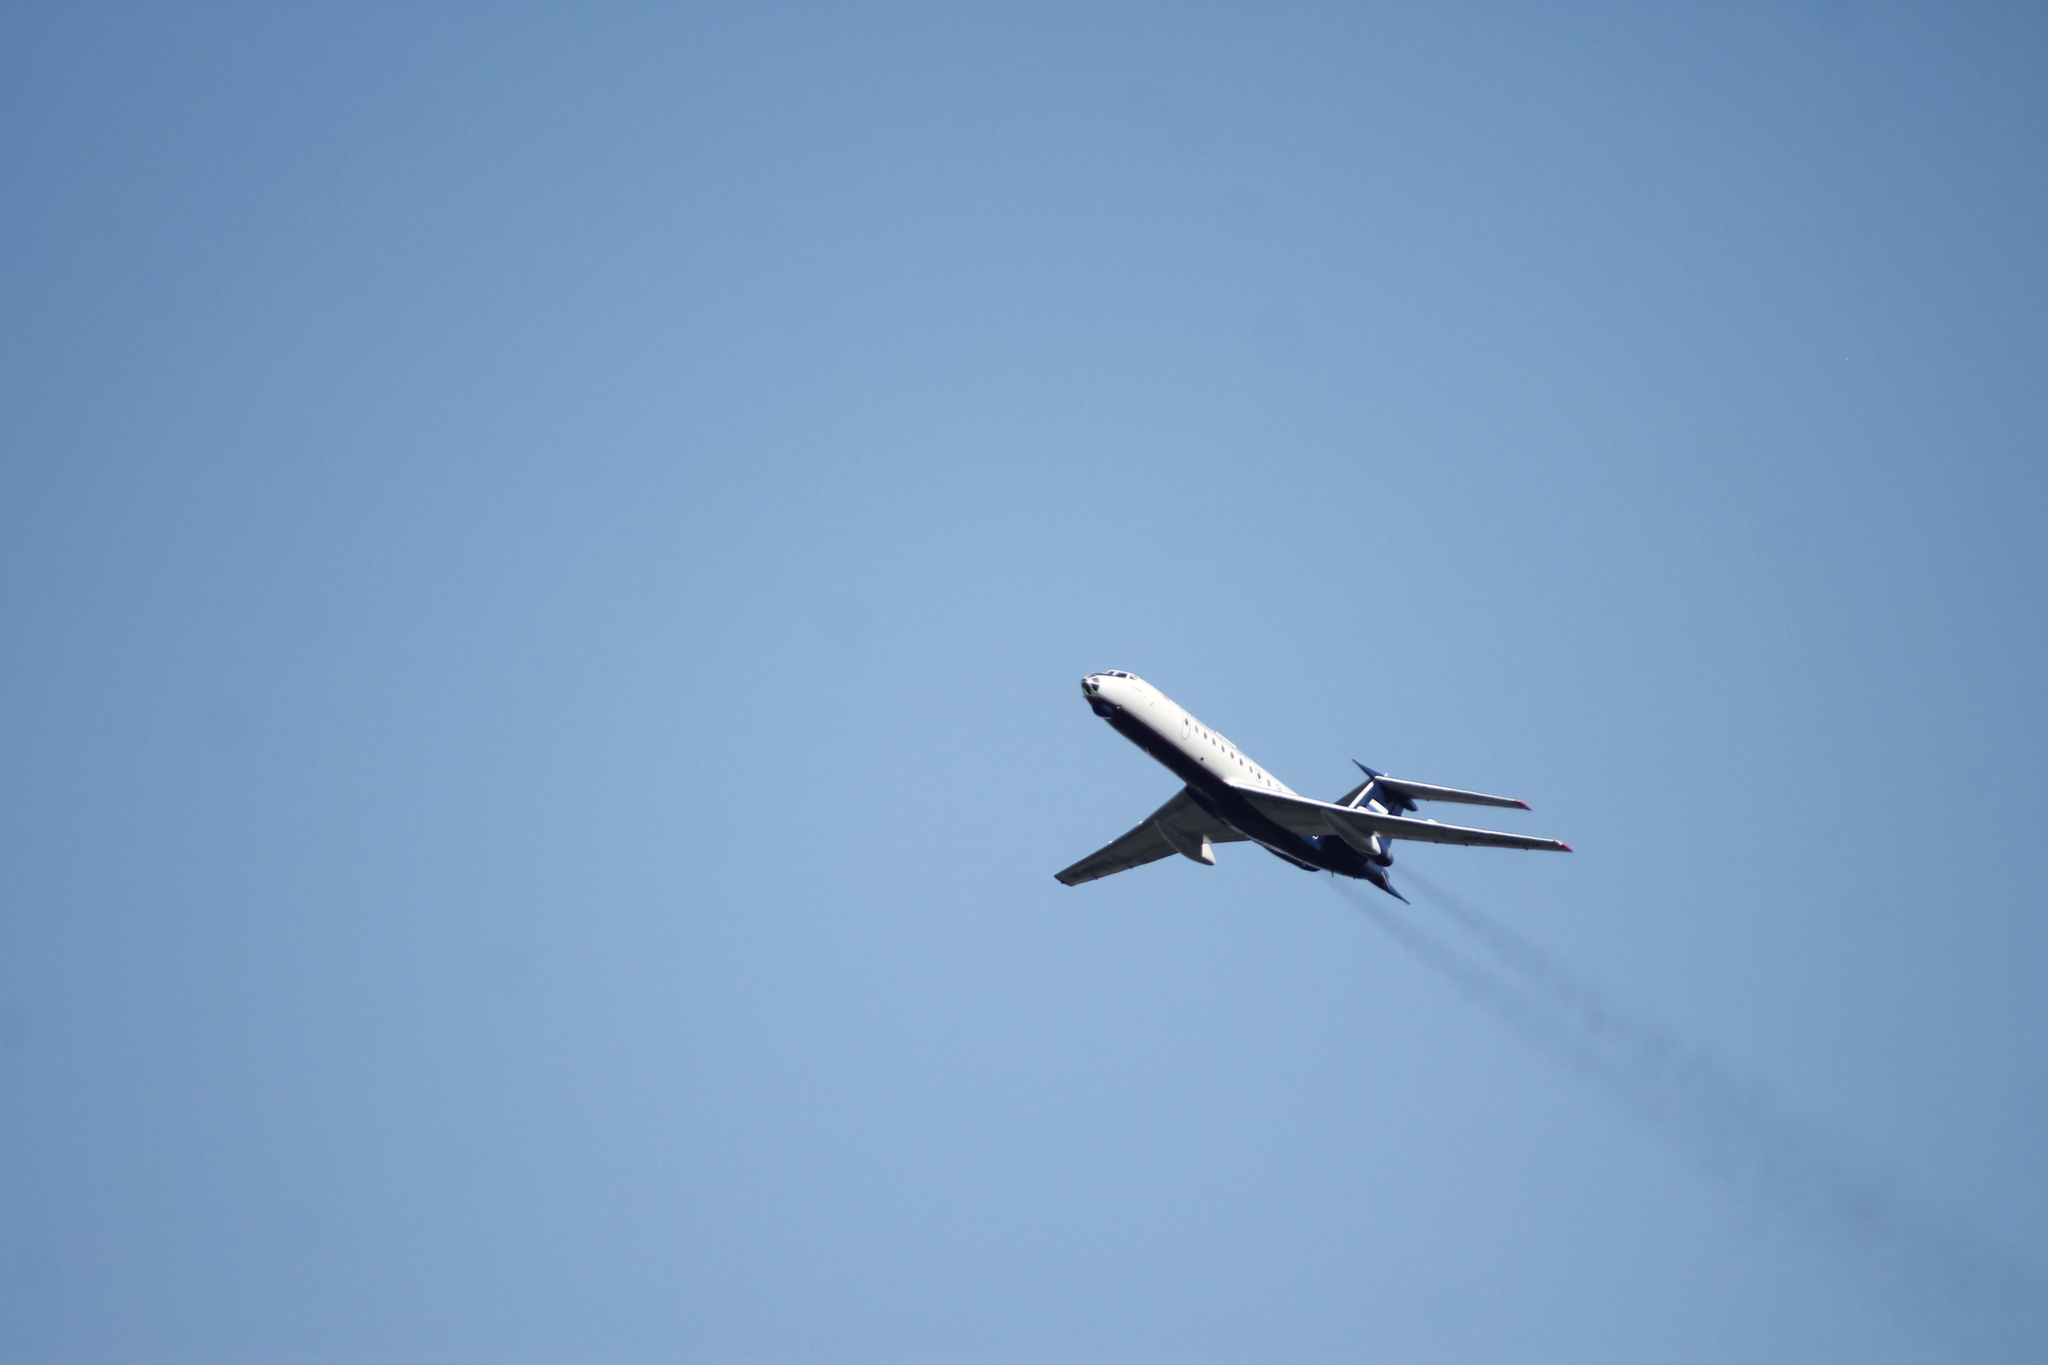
1397, 796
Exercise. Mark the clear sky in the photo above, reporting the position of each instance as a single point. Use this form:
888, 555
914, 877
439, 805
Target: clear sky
545, 558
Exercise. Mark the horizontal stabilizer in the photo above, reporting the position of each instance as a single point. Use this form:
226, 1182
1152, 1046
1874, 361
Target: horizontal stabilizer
1400, 795
1423, 791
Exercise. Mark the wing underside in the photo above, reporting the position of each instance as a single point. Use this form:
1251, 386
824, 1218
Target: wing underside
1150, 842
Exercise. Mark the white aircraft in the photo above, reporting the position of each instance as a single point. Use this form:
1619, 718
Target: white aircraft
1229, 799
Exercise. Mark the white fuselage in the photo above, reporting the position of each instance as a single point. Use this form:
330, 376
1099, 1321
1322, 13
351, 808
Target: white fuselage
1178, 729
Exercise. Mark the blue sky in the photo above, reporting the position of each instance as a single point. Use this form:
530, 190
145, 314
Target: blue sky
545, 554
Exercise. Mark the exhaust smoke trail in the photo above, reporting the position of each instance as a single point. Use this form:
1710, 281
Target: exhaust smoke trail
1948, 1281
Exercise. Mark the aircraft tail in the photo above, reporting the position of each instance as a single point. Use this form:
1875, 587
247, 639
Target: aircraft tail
1375, 788
1397, 796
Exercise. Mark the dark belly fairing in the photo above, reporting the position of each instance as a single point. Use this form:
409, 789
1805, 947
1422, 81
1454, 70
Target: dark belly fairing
1326, 853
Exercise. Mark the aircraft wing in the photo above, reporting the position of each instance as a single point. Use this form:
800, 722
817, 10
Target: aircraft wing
1304, 816
1148, 843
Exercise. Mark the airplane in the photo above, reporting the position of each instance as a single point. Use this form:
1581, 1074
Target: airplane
1230, 799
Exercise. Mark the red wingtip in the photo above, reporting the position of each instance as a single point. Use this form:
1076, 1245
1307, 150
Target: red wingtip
1523, 804
1563, 847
